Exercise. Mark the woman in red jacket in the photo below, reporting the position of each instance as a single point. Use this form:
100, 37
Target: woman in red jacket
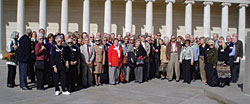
115, 62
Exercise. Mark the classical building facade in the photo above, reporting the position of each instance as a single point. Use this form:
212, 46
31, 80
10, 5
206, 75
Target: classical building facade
179, 17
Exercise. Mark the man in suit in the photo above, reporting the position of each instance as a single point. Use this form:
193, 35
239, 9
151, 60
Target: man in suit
158, 36
88, 55
146, 66
238, 54
23, 57
173, 53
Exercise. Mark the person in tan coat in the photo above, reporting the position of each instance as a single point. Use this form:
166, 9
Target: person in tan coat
163, 58
99, 60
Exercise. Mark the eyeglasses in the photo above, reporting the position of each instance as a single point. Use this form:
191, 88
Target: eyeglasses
91, 37
97, 40
70, 42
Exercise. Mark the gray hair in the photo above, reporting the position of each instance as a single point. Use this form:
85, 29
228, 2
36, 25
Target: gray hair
217, 35
59, 37
28, 32
39, 36
14, 34
69, 40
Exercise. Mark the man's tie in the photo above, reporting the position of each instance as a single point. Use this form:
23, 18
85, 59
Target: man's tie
88, 50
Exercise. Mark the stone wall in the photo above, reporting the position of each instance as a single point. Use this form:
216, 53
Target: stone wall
118, 17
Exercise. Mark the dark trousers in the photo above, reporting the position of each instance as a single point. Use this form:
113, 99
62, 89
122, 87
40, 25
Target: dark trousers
235, 72
71, 77
211, 74
60, 75
146, 68
40, 78
105, 75
31, 72
11, 74
186, 70
195, 69
48, 75
23, 67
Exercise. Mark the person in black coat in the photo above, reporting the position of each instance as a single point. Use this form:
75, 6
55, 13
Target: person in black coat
140, 55
31, 68
105, 76
23, 57
73, 57
223, 68
59, 59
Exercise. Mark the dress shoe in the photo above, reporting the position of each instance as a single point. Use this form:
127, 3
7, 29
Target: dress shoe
25, 88
10, 85
177, 80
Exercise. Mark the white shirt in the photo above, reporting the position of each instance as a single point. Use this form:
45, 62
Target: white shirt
173, 47
118, 51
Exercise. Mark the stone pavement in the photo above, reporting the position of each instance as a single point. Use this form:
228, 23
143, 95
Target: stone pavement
153, 92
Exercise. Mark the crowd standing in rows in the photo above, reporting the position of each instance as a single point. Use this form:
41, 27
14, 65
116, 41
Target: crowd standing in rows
85, 60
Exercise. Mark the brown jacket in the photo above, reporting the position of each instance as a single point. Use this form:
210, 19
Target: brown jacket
168, 51
99, 54
238, 49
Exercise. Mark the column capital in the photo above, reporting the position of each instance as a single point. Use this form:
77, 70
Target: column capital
226, 4
243, 5
129, 0
207, 3
167, 1
149, 0
189, 2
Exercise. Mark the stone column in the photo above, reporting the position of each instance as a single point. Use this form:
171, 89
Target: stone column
206, 20
1, 15
149, 15
242, 36
246, 83
242, 24
20, 17
107, 17
169, 17
224, 19
128, 17
188, 17
64, 17
85, 16
43, 14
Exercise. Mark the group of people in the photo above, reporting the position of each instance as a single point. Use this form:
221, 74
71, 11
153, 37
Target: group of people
83, 60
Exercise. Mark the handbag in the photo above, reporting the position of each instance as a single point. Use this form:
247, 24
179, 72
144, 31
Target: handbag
140, 62
124, 61
163, 68
39, 64
121, 77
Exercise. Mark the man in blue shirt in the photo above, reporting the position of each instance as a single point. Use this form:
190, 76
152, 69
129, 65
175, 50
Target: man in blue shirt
196, 53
